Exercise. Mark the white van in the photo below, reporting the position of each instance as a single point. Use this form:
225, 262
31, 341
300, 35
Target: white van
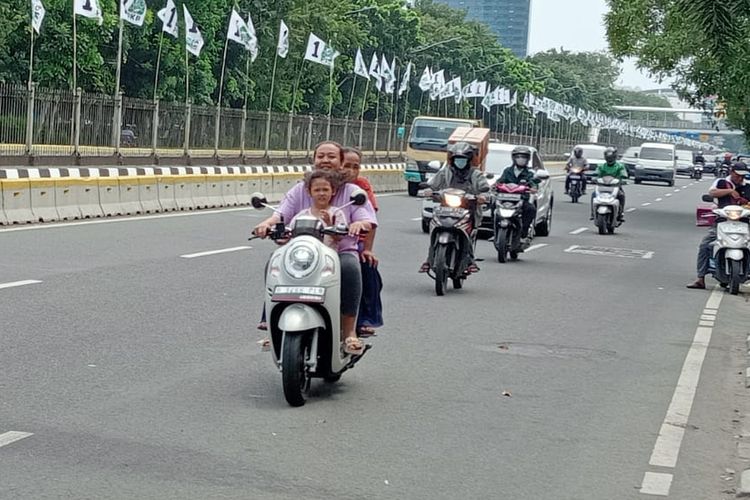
656, 162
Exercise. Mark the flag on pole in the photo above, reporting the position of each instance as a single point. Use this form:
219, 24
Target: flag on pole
193, 37
425, 82
90, 9
360, 68
282, 49
375, 71
513, 100
252, 43
438, 83
37, 15
238, 30
405, 80
487, 101
458, 95
320, 52
133, 11
390, 85
168, 16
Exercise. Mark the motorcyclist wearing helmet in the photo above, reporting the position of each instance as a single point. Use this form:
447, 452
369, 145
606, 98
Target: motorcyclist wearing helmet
458, 173
577, 160
699, 158
519, 173
612, 168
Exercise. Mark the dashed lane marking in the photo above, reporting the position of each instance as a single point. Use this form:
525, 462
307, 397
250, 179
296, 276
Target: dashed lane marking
625, 253
214, 252
536, 247
579, 230
645, 204
14, 284
632, 209
13, 436
414, 219
658, 199
668, 195
668, 443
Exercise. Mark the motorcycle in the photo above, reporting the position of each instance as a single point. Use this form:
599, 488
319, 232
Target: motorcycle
575, 176
731, 252
453, 233
697, 171
507, 212
606, 204
303, 296
722, 171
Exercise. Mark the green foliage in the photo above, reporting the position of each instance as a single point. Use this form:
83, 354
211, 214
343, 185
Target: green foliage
701, 43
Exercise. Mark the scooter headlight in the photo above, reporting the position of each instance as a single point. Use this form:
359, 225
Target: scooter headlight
507, 212
301, 260
453, 201
733, 214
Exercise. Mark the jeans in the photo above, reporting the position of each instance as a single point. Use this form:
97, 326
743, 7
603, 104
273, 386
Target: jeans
705, 251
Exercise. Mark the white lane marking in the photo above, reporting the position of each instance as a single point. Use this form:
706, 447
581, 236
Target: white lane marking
572, 249
709, 312
669, 441
706, 323
668, 195
214, 252
658, 199
388, 195
536, 247
645, 204
707, 317
632, 209
677, 190
579, 230
13, 284
714, 301
122, 219
13, 436
684, 187
656, 483
416, 218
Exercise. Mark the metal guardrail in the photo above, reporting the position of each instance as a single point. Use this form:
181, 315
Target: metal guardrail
77, 127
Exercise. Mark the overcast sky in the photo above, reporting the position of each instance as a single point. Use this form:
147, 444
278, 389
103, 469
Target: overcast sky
578, 26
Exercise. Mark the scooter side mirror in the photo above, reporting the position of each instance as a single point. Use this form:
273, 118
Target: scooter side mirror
258, 200
358, 197
489, 176
434, 165
707, 198
541, 174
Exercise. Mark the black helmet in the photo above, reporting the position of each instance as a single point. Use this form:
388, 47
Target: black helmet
521, 156
610, 154
578, 151
461, 154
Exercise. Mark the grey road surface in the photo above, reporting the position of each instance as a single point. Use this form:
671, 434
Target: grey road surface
136, 374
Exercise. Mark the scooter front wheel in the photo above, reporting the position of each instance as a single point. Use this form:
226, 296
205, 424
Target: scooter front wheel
734, 277
601, 223
294, 373
442, 257
501, 245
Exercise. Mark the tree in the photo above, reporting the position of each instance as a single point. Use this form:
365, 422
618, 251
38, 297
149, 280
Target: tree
702, 43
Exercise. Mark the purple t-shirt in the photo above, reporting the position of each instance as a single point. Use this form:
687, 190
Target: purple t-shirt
298, 199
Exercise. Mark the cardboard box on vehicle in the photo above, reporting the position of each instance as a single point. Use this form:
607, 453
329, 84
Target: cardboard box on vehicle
479, 137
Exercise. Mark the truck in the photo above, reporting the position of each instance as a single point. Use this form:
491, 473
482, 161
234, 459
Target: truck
428, 141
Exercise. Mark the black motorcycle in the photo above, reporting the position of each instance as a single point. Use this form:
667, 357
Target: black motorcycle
575, 179
507, 209
452, 237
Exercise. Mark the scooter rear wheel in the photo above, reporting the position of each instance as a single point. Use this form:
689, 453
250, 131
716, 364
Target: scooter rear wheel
294, 373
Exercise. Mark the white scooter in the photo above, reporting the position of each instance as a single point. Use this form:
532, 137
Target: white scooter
303, 303
606, 205
731, 253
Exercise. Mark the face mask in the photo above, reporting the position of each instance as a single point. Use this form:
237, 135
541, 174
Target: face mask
522, 162
461, 163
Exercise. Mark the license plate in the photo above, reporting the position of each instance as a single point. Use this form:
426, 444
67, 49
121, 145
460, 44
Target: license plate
735, 228
314, 294
575, 177
448, 212
509, 197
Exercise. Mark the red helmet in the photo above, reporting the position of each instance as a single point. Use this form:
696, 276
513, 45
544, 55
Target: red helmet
728, 156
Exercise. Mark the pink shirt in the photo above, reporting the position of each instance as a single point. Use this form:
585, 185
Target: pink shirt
298, 199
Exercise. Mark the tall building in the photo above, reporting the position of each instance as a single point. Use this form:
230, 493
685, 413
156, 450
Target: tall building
509, 19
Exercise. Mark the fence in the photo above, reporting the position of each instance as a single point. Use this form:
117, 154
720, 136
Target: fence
38, 122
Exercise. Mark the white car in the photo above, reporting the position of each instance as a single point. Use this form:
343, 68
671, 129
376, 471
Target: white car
498, 159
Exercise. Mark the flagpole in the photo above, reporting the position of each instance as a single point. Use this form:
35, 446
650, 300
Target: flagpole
362, 115
330, 103
270, 103
349, 109
158, 64
75, 48
31, 55
244, 106
406, 109
375, 136
218, 102
116, 119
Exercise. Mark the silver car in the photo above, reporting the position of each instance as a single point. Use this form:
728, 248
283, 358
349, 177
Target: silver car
498, 159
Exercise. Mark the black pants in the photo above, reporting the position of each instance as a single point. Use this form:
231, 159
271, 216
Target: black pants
567, 183
528, 215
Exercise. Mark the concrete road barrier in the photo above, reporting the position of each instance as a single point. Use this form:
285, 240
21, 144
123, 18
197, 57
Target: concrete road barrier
34, 195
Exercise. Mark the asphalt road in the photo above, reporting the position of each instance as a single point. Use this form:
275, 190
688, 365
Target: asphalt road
136, 374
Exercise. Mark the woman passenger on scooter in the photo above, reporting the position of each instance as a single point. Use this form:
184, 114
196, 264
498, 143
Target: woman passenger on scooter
361, 219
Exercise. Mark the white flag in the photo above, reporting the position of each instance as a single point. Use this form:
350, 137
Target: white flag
513, 100
360, 68
193, 37
458, 95
425, 82
37, 15
318, 51
438, 83
375, 71
252, 44
282, 49
168, 16
390, 84
405, 80
90, 9
133, 11
487, 101
238, 30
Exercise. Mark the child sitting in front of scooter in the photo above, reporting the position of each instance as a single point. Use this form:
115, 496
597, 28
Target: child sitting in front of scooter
322, 186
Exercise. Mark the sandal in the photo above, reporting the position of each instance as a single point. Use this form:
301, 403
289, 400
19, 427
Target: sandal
425, 268
354, 346
265, 344
262, 326
697, 285
366, 331
473, 268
